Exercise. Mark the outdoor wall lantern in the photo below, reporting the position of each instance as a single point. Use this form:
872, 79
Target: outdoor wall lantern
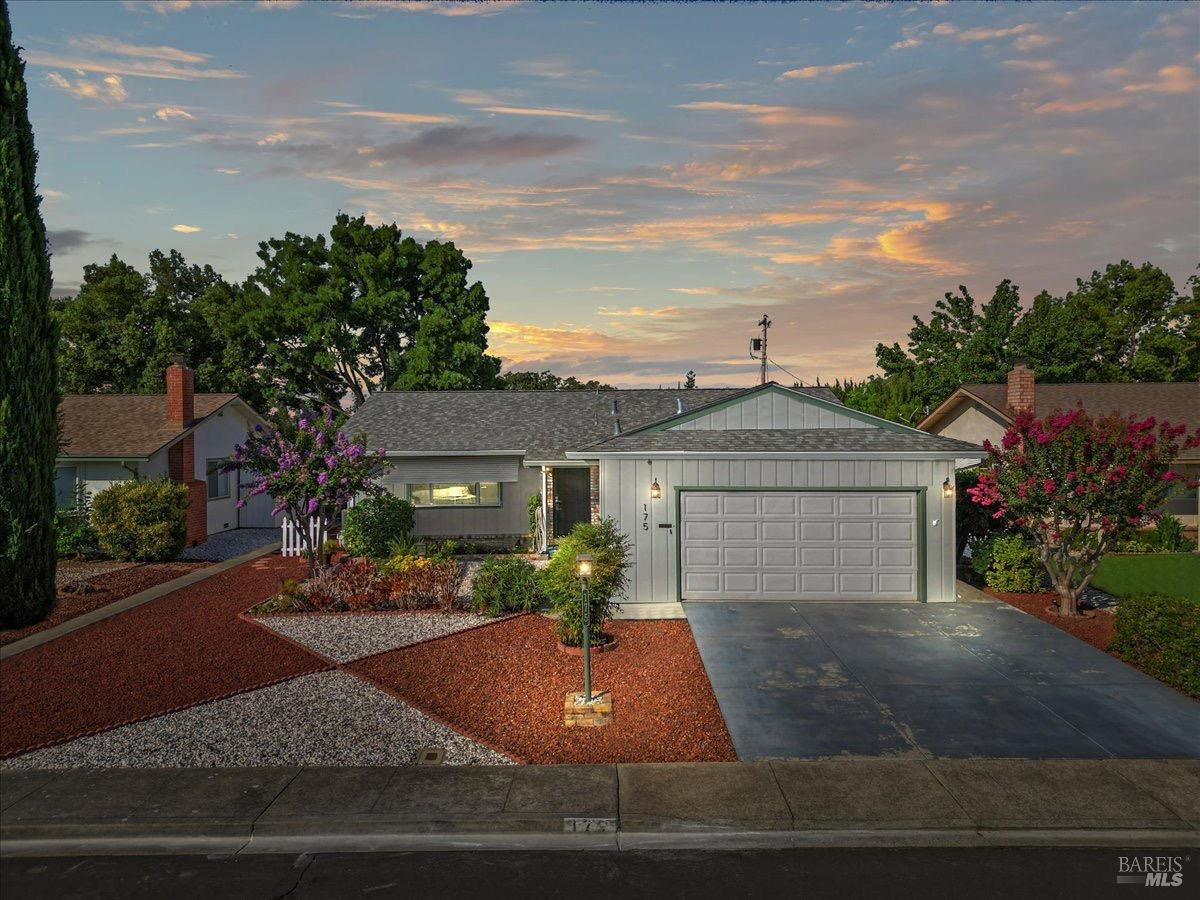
583, 568
655, 490
947, 489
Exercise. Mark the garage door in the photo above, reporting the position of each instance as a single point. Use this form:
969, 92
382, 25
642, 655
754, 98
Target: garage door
798, 545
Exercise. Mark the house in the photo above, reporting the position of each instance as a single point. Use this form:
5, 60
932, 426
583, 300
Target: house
106, 438
978, 412
725, 493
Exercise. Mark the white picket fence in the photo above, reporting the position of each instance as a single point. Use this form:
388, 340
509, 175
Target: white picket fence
293, 544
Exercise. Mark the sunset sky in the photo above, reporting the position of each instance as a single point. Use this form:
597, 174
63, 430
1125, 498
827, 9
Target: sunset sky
636, 184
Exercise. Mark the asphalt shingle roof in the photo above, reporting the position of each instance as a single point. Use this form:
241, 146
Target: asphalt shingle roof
778, 440
124, 425
1174, 402
543, 424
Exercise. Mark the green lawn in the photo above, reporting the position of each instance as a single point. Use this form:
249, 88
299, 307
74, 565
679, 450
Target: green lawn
1170, 574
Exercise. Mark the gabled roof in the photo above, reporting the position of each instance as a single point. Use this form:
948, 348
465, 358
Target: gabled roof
540, 424
124, 426
780, 440
1175, 402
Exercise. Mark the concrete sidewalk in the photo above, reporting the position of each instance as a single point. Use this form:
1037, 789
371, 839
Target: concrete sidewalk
839, 802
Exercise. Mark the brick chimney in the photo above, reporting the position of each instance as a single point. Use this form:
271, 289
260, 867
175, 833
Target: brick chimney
1020, 389
181, 387
181, 457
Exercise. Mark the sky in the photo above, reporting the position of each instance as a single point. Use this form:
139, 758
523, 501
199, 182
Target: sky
636, 184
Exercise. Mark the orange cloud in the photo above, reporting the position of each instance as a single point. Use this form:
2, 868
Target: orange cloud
818, 71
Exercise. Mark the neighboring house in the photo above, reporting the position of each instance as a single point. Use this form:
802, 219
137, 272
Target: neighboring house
979, 412
106, 438
725, 494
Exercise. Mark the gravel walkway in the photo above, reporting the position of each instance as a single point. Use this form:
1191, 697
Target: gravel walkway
229, 544
327, 719
348, 636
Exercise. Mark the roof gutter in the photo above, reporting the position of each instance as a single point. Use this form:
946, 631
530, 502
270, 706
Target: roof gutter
784, 454
403, 454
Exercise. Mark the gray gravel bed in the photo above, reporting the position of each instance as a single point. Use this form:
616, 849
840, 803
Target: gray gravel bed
325, 719
347, 636
229, 544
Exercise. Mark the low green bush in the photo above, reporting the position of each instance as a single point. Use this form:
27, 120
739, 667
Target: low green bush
1008, 562
141, 521
372, 525
506, 584
1161, 636
610, 549
74, 535
1169, 535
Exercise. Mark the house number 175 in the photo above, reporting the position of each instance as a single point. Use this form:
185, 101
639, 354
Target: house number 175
645, 517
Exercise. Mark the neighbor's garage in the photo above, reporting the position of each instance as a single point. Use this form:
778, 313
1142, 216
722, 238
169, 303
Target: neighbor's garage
799, 545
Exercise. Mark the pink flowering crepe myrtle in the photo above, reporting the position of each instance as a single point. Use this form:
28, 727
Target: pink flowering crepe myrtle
1078, 485
312, 470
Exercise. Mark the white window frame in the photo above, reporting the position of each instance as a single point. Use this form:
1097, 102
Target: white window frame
474, 485
222, 477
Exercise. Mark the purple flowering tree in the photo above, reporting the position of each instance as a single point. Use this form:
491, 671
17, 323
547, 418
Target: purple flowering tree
312, 470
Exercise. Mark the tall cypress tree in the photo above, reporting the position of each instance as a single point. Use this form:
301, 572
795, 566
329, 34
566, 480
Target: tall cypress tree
29, 391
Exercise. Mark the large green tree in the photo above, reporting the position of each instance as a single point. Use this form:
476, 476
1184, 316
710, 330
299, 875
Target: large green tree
1126, 323
28, 371
365, 308
123, 328
546, 380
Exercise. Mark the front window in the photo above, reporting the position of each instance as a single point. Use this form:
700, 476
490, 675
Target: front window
66, 492
217, 478
471, 493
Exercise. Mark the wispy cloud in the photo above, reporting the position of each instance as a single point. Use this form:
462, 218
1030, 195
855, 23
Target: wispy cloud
128, 66
489, 104
186, 229
817, 71
452, 8
172, 112
771, 115
110, 88
95, 43
400, 118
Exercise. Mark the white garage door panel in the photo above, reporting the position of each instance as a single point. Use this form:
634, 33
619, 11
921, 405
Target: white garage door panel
799, 545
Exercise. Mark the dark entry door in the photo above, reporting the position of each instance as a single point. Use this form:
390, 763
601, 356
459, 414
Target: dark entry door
572, 498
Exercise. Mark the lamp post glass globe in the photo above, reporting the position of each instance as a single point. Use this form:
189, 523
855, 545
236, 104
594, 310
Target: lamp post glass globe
583, 567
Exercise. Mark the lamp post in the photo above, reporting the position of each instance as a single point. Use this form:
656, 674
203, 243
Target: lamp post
583, 568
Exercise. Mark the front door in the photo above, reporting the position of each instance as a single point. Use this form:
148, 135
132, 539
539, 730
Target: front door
572, 498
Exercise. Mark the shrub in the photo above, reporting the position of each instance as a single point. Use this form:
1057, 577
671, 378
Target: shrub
1161, 636
1008, 562
371, 526
143, 521
1168, 535
506, 584
426, 583
73, 532
610, 549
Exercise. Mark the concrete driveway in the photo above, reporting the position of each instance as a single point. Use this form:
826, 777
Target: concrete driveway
967, 679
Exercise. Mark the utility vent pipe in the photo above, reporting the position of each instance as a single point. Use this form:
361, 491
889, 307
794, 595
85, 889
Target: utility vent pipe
616, 426
678, 405
614, 406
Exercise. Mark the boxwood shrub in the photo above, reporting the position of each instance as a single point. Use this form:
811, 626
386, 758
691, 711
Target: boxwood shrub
373, 525
1161, 636
142, 521
1008, 562
506, 584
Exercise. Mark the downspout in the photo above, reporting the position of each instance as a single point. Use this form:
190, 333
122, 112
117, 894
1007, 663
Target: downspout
545, 535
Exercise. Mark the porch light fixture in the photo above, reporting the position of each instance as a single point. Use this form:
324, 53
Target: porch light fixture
947, 489
583, 566
656, 490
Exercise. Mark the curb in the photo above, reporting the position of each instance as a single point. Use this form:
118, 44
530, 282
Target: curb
252, 844
132, 601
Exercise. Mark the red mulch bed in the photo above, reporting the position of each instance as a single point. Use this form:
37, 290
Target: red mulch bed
179, 650
504, 684
110, 587
1096, 630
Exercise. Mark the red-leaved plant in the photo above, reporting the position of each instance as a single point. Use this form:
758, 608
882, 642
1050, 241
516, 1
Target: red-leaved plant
1079, 485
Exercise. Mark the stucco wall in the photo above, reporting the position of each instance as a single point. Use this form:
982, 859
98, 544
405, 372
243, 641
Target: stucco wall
972, 423
215, 438
625, 496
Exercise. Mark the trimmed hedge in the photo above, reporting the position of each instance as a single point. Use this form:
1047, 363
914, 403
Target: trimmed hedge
1008, 562
1161, 636
142, 521
373, 525
506, 584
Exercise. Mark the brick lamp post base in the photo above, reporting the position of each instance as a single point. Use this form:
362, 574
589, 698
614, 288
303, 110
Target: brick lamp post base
577, 714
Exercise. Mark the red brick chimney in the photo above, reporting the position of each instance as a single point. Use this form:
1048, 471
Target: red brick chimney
1020, 389
181, 457
181, 388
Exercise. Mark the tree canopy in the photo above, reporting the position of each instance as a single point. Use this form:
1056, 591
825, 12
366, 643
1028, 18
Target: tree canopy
548, 381
1126, 323
321, 320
